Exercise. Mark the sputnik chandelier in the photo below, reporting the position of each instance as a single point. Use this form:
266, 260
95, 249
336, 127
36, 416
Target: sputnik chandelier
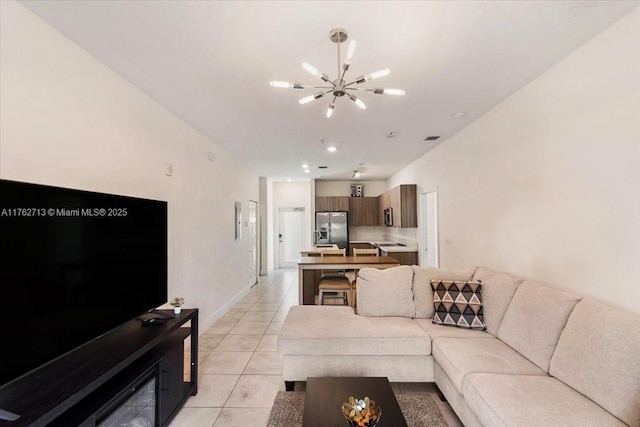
339, 87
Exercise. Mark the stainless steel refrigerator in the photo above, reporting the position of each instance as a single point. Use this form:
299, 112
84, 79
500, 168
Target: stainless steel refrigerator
332, 228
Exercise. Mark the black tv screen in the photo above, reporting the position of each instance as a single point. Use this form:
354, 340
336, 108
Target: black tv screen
73, 265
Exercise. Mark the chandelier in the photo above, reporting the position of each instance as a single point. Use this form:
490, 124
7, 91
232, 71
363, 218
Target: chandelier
339, 87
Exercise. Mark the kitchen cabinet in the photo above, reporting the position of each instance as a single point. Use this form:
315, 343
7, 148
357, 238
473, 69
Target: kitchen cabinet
353, 246
332, 204
405, 258
383, 203
403, 200
363, 211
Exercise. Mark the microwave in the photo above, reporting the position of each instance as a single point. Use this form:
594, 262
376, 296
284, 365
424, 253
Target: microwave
388, 217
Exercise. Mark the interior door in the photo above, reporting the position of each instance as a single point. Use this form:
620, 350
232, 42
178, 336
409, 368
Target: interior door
429, 236
253, 242
290, 236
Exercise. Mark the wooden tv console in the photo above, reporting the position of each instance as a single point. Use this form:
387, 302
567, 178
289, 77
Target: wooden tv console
84, 384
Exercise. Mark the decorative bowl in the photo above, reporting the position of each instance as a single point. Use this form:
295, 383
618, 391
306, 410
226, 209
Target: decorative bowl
361, 412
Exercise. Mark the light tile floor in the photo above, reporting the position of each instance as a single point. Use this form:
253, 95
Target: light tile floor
240, 370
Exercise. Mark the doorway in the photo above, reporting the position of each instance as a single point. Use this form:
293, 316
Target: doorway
252, 225
290, 236
429, 236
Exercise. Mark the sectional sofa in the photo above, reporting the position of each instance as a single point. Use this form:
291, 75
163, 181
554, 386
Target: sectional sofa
546, 358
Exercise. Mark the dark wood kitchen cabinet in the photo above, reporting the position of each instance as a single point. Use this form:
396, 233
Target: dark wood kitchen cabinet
332, 204
363, 211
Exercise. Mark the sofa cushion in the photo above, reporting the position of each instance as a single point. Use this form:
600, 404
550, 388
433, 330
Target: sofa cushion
534, 320
440, 331
459, 357
531, 401
458, 303
385, 292
598, 354
337, 330
497, 292
422, 293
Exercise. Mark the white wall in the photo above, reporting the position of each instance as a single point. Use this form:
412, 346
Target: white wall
67, 120
547, 184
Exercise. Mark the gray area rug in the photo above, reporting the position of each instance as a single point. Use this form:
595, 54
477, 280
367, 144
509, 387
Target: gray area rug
419, 410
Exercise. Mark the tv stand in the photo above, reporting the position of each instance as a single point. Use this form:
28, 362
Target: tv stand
82, 386
8, 416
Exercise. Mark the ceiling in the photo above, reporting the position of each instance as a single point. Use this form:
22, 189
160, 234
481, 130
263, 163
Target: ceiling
210, 63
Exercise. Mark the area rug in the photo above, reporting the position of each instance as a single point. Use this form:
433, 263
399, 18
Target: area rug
419, 410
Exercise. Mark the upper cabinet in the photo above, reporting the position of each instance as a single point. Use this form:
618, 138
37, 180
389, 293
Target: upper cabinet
403, 201
363, 211
332, 204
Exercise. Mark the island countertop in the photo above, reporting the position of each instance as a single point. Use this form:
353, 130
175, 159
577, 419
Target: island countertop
307, 287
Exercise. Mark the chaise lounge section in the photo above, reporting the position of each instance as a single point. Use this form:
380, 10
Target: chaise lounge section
547, 357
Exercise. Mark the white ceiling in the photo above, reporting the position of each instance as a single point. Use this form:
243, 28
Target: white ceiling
210, 63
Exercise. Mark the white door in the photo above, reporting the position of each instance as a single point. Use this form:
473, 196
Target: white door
429, 219
253, 242
290, 236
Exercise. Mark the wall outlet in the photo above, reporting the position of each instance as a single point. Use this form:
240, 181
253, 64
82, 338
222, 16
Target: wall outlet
168, 169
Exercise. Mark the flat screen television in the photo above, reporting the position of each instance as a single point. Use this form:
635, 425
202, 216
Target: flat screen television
73, 265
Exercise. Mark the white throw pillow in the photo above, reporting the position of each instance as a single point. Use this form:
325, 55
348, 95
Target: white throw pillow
385, 292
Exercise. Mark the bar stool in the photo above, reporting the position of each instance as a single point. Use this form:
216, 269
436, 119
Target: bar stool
333, 281
360, 252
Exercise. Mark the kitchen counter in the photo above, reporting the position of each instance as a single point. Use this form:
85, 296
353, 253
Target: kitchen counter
396, 248
387, 246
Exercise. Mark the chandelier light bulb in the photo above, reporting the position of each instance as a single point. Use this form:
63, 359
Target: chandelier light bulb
307, 99
310, 68
281, 84
350, 51
310, 98
358, 102
313, 70
395, 92
377, 74
330, 110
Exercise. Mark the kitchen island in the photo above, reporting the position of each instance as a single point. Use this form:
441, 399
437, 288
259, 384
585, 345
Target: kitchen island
308, 267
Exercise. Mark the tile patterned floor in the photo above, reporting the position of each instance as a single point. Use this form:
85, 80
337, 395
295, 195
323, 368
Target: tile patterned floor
240, 370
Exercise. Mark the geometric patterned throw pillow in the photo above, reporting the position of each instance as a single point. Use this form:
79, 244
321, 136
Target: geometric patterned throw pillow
458, 303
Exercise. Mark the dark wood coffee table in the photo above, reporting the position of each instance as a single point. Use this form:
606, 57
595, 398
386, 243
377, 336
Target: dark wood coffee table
325, 395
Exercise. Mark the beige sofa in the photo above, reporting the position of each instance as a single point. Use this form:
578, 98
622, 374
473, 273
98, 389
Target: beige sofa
547, 357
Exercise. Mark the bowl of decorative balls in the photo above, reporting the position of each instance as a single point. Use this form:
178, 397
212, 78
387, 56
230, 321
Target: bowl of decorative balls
361, 412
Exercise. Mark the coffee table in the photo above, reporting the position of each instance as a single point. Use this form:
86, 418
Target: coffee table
324, 397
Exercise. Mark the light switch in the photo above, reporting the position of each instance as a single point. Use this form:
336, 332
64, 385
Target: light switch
168, 169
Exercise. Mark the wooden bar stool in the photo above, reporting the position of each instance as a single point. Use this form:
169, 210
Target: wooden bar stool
360, 252
334, 281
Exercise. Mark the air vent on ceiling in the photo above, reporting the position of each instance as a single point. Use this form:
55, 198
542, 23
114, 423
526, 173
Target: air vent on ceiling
323, 167
432, 138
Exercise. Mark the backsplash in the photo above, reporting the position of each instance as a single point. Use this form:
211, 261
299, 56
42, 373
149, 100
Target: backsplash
367, 234
406, 236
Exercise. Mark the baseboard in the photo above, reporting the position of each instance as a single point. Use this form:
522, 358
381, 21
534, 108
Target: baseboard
209, 321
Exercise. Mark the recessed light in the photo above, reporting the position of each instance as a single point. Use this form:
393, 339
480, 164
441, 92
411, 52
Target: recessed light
307, 171
331, 149
289, 180
392, 134
305, 166
459, 115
